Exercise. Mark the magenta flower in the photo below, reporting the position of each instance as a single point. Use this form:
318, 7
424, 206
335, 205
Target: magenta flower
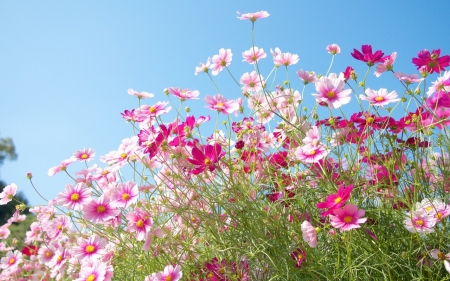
309, 234
285, 59
252, 82
124, 195
221, 104
367, 55
140, 222
347, 218
253, 55
335, 201
140, 95
75, 197
220, 61
185, 94
99, 210
92, 247
208, 158
333, 49
8, 193
380, 97
331, 91
431, 62
299, 257
254, 16
11, 260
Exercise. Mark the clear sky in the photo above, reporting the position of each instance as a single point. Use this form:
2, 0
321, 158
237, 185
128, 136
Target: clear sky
65, 66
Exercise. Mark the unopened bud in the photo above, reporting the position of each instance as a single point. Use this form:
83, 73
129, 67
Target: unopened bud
361, 84
166, 92
187, 109
29, 175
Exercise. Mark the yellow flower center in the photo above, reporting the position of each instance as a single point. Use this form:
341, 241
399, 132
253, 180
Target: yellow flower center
90, 277
419, 222
126, 196
169, 278
48, 254
152, 110
100, 209
254, 58
379, 99
299, 256
429, 208
59, 258
59, 227
75, 197
348, 219
12, 260
370, 120
139, 223
84, 156
219, 104
251, 84
331, 94
207, 161
312, 152
123, 155
90, 248
337, 200
441, 256
439, 215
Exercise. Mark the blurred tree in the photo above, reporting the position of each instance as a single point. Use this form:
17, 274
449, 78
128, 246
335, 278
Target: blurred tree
7, 150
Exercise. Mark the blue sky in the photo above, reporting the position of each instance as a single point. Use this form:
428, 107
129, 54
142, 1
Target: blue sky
65, 66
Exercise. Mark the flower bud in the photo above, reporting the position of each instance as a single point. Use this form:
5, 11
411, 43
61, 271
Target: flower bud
187, 109
29, 175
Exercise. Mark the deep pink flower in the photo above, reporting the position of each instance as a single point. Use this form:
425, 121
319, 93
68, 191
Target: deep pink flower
74, 197
140, 95
331, 91
96, 272
99, 210
220, 61
253, 16
333, 49
139, 222
11, 260
335, 201
432, 62
124, 195
8, 193
253, 55
92, 247
367, 55
221, 104
347, 218
380, 97
185, 94
299, 257
349, 73
208, 158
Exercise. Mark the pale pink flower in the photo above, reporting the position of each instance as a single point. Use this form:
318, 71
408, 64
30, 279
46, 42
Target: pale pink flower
99, 210
46, 253
203, 67
75, 196
57, 226
387, 65
439, 84
408, 79
221, 104
331, 91
11, 260
312, 139
140, 222
185, 94
253, 55
61, 167
147, 112
157, 232
252, 81
307, 77
347, 218
124, 195
140, 95
445, 258
309, 234
333, 49
92, 247
96, 272
220, 61
285, 59
435, 208
420, 221
253, 16
309, 155
170, 273
8, 193
380, 97
84, 155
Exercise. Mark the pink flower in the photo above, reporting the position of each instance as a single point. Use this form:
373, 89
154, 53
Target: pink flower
140, 222
308, 154
185, 94
99, 210
307, 77
420, 221
309, 234
170, 273
124, 195
84, 155
96, 272
367, 55
348, 218
380, 97
436, 208
335, 201
408, 79
253, 55
11, 260
57, 226
221, 104
445, 258
75, 197
386, 65
253, 16
61, 167
333, 49
147, 113
92, 247
208, 158
331, 91
8, 193
220, 61
140, 95
440, 84
252, 82
203, 67
432, 62
285, 59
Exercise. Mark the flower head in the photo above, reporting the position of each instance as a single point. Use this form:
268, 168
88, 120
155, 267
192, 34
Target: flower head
335, 201
253, 55
221, 104
431, 62
333, 49
75, 196
140, 95
380, 97
99, 210
331, 91
420, 221
185, 94
386, 65
309, 234
8, 193
253, 16
285, 59
203, 67
84, 155
347, 218
208, 157
220, 61
367, 55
